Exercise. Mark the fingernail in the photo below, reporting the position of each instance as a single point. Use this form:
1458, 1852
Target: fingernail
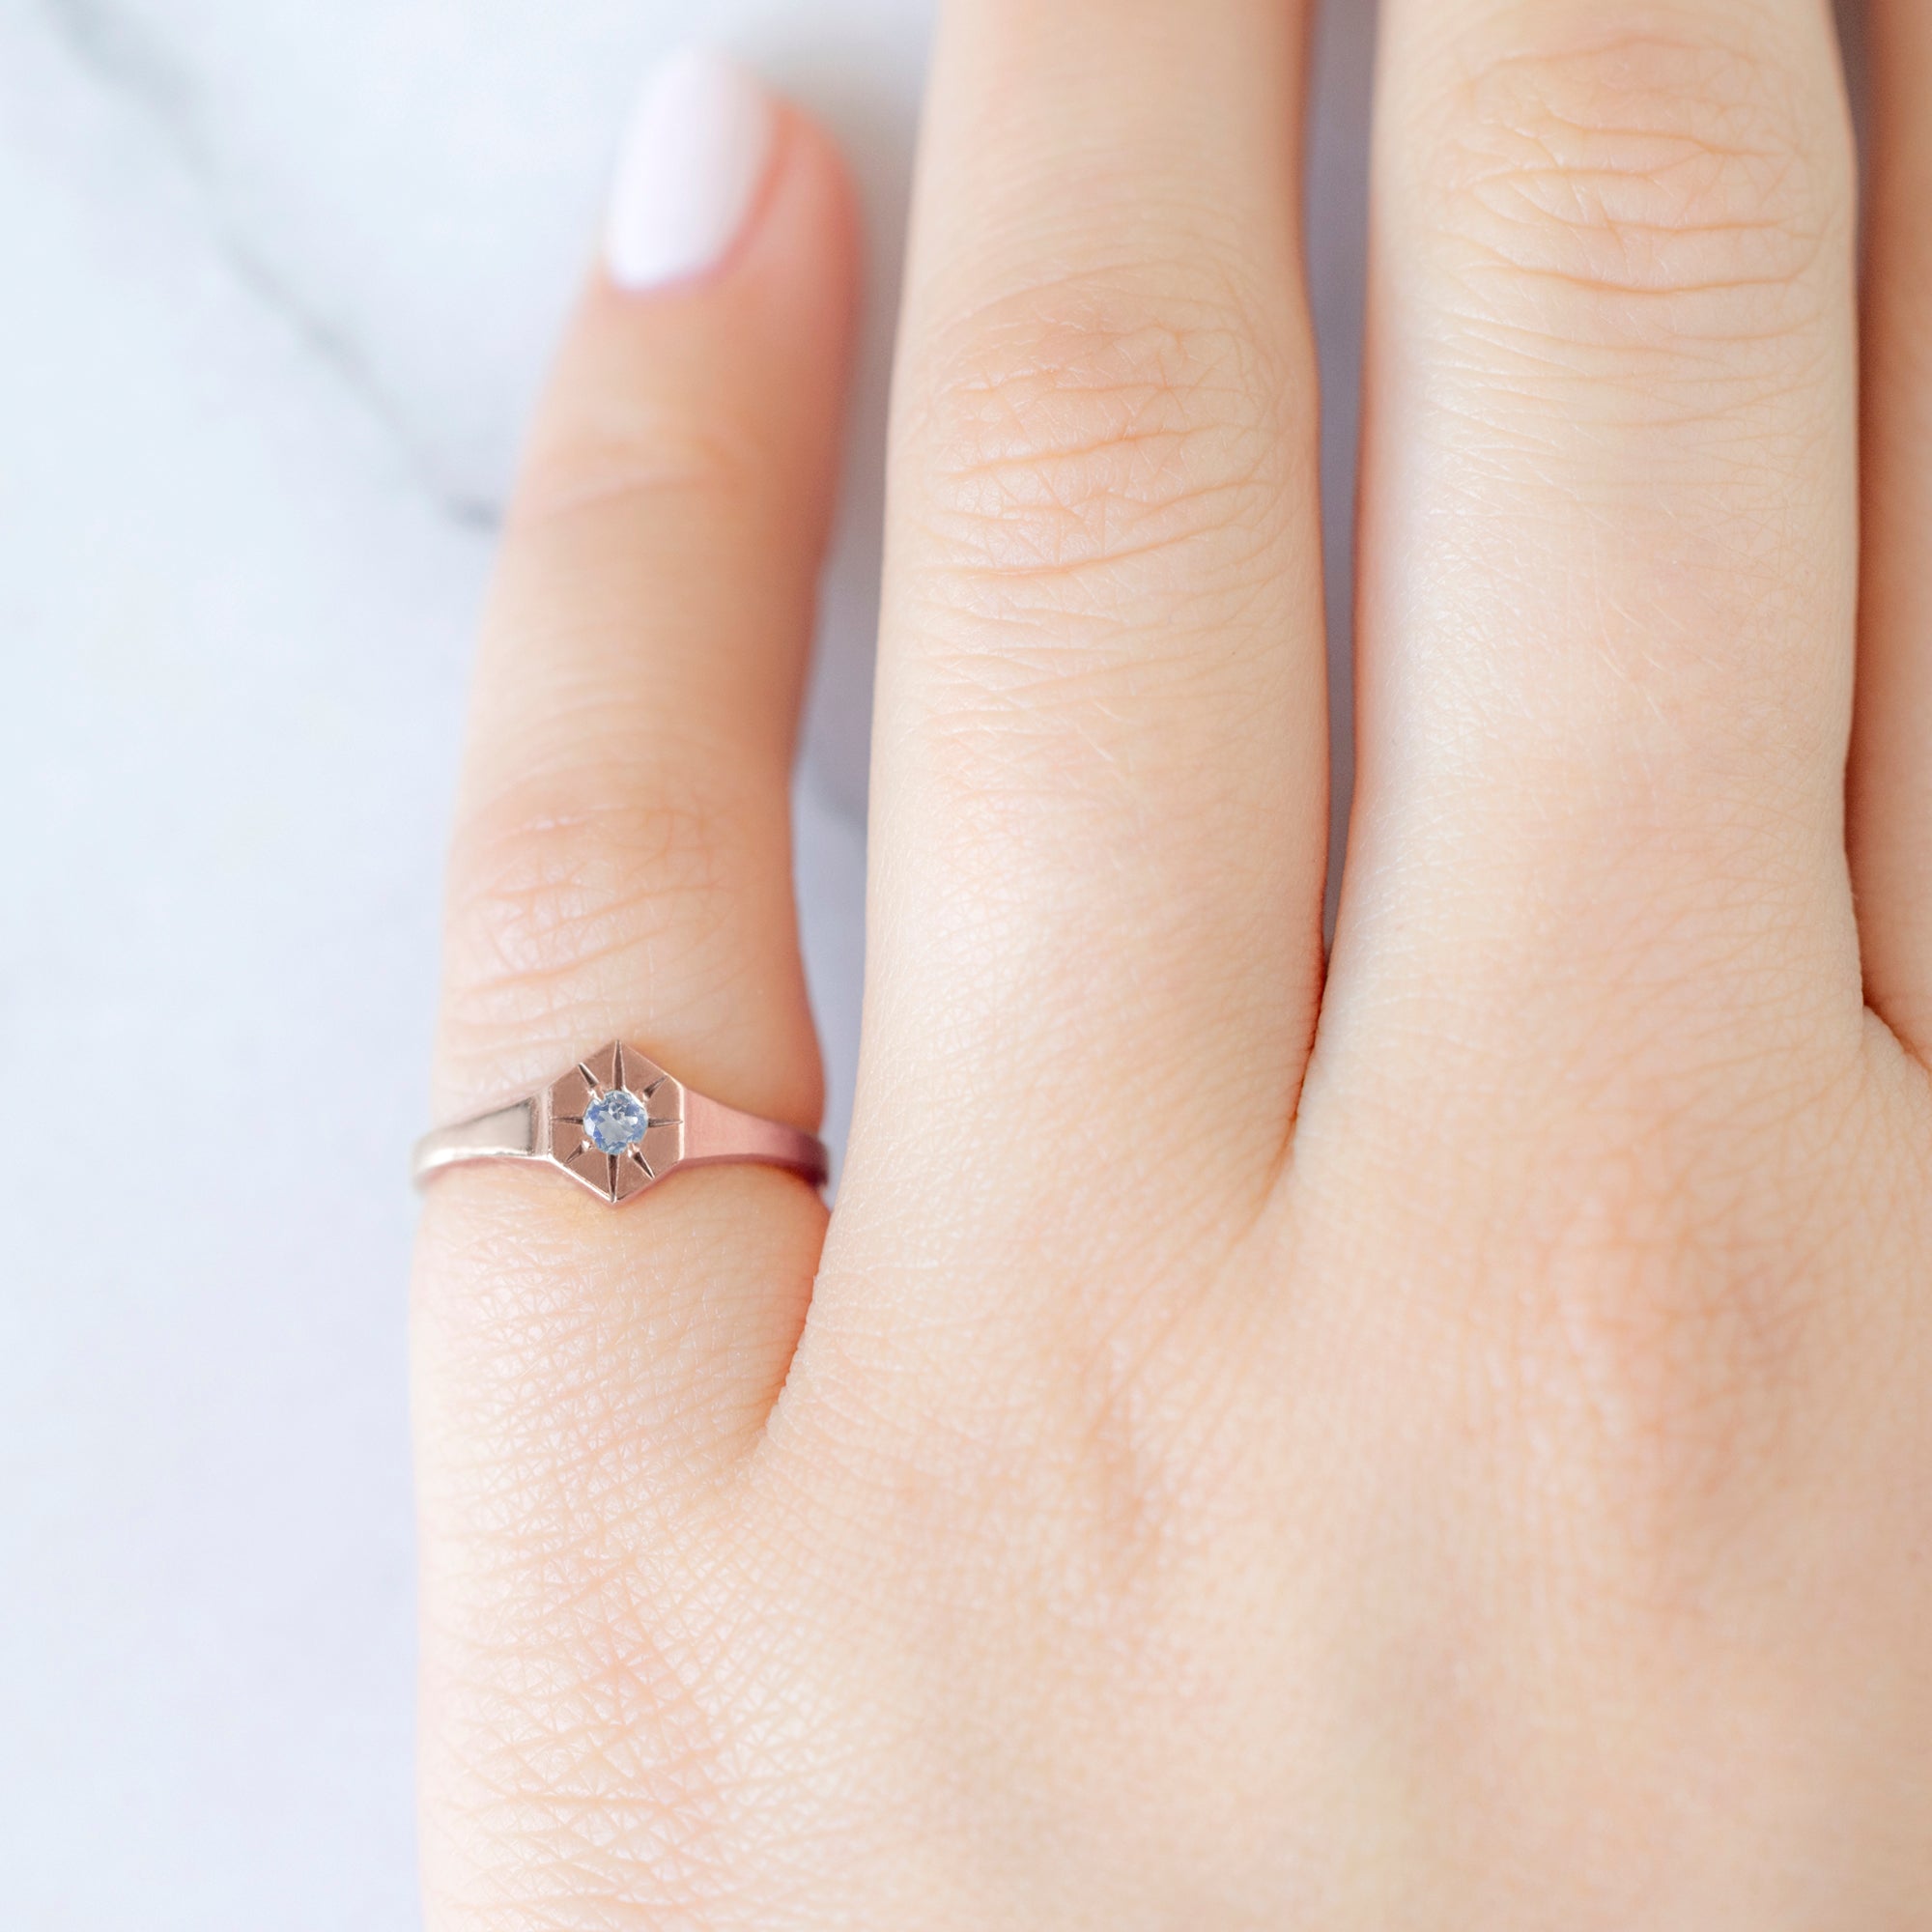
692, 162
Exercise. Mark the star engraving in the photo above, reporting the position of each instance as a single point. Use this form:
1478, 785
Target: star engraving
615, 1107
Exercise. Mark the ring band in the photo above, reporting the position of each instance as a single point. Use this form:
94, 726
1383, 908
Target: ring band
618, 1123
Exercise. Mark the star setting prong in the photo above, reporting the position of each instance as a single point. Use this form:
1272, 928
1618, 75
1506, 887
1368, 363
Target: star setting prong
613, 1119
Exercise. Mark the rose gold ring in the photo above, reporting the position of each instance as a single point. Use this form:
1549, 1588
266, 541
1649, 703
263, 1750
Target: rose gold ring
618, 1123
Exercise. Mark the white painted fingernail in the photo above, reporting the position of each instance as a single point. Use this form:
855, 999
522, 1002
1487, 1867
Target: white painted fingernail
693, 163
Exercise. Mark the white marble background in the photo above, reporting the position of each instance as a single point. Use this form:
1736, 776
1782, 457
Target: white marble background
278, 279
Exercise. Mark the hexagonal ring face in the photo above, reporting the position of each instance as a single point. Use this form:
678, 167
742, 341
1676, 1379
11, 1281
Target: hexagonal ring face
616, 1123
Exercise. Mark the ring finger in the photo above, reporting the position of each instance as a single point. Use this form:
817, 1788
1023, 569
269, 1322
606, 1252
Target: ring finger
1100, 770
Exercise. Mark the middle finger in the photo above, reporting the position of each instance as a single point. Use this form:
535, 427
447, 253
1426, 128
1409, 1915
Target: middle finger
1609, 554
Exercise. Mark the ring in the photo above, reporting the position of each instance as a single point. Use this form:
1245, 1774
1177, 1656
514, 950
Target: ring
618, 1123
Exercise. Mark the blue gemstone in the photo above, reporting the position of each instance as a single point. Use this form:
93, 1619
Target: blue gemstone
616, 1121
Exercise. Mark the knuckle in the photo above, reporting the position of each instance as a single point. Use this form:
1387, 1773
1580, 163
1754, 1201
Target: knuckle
1657, 1402
562, 887
1642, 187
637, 453
554, 883
1096, 422
1675, 1312
1104, 458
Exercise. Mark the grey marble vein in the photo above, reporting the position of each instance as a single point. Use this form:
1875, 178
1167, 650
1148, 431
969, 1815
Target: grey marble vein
123, 55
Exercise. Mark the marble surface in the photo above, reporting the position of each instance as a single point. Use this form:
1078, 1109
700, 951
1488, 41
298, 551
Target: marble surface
280, 278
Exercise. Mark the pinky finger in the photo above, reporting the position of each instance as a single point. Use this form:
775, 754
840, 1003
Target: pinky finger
584, 1376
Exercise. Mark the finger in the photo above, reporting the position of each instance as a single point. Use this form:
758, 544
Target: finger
1100, 773
1891, 788
621, 867
1609, 544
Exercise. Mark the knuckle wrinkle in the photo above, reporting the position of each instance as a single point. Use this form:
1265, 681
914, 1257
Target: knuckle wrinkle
1626, 168
1087, 425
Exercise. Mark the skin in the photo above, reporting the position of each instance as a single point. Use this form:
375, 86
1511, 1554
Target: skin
1437, 1437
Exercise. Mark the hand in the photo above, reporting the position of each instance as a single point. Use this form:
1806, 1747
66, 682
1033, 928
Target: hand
1437, 1441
